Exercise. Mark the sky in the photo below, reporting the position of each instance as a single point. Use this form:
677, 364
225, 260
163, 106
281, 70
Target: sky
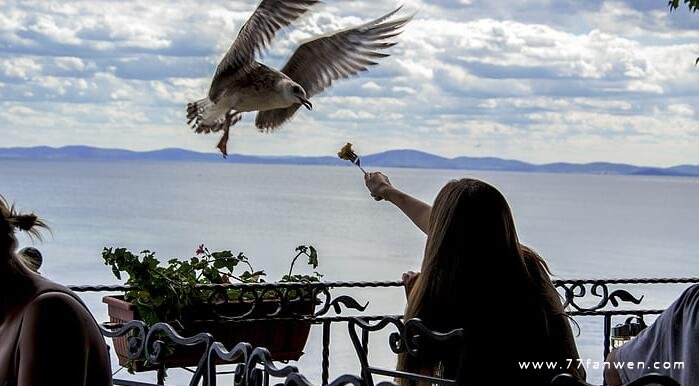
535, 80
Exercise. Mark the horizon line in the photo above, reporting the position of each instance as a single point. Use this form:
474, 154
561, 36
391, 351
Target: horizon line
623, 163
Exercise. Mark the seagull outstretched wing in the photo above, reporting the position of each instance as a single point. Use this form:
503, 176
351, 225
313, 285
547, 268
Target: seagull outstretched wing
319, 62
269, 17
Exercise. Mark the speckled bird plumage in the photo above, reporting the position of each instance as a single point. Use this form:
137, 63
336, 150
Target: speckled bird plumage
242, 84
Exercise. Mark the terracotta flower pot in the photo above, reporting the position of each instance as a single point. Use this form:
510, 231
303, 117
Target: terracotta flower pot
285, 339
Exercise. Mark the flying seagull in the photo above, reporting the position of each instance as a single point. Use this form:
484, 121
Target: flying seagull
242, 84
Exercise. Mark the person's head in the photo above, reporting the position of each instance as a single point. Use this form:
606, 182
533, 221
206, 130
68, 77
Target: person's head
10, 222
471, 235
31, 257
475, 274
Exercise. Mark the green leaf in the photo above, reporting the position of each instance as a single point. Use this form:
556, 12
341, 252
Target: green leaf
162, 292
222, 255
313, 258
144, 296
692, 4
158, 301
233, 293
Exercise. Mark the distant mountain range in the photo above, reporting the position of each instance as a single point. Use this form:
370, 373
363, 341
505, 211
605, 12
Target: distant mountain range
392, 158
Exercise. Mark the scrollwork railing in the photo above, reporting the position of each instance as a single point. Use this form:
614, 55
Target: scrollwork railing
254, 366
599, 296
137, 332
603, 298
409, 337
574, 291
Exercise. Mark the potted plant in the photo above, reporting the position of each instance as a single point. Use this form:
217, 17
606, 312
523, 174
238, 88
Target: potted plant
172, 293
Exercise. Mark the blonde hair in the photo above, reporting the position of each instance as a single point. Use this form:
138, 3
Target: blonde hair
10, 221
25, 222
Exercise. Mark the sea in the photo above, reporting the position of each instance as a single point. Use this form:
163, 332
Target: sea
585, 226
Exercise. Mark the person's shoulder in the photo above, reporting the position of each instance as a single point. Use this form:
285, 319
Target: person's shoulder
56, 307
55, 299
691, 294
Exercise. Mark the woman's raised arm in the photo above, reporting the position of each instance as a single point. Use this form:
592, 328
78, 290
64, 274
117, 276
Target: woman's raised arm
381, 189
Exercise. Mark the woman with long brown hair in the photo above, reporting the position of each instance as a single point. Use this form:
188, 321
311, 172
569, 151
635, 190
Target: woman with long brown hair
47, 335
476, 275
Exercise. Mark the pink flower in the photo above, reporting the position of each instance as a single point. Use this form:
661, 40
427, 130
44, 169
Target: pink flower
200, 250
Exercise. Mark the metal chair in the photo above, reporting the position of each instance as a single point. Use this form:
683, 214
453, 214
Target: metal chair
410, 336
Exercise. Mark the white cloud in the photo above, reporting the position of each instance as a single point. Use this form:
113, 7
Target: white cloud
536, 80
624, 18
22, 68
371, 86
641, 86
350, 114
403, 90
70, 63
681, 109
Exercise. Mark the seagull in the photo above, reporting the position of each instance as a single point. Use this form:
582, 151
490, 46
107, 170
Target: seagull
242, 84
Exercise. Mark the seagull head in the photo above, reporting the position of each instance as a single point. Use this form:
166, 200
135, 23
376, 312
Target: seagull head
298, 94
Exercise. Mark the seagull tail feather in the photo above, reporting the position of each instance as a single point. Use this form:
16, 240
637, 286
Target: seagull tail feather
197, 112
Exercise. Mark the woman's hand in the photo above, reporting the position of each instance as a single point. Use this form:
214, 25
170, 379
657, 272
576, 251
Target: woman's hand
381, 189
378, 184
409, 281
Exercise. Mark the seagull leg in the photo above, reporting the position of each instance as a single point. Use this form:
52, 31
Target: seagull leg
232, 117
223, 143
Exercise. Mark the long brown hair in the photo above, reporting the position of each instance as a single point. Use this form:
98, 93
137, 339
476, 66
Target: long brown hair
475, 275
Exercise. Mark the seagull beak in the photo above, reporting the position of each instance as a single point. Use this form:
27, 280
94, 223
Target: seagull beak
306, 103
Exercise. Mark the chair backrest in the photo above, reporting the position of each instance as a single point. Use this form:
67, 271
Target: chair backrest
409, 337
648, 379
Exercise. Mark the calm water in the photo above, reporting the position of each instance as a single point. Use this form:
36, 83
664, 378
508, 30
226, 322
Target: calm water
585, 226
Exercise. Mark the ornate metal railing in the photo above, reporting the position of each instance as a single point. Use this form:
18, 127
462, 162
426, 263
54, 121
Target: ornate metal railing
603, 298
288, 295
606, 301
255, 365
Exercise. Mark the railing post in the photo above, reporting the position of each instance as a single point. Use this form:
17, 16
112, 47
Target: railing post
365, 341
161, 374
607, 334
326, 352
606, 343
